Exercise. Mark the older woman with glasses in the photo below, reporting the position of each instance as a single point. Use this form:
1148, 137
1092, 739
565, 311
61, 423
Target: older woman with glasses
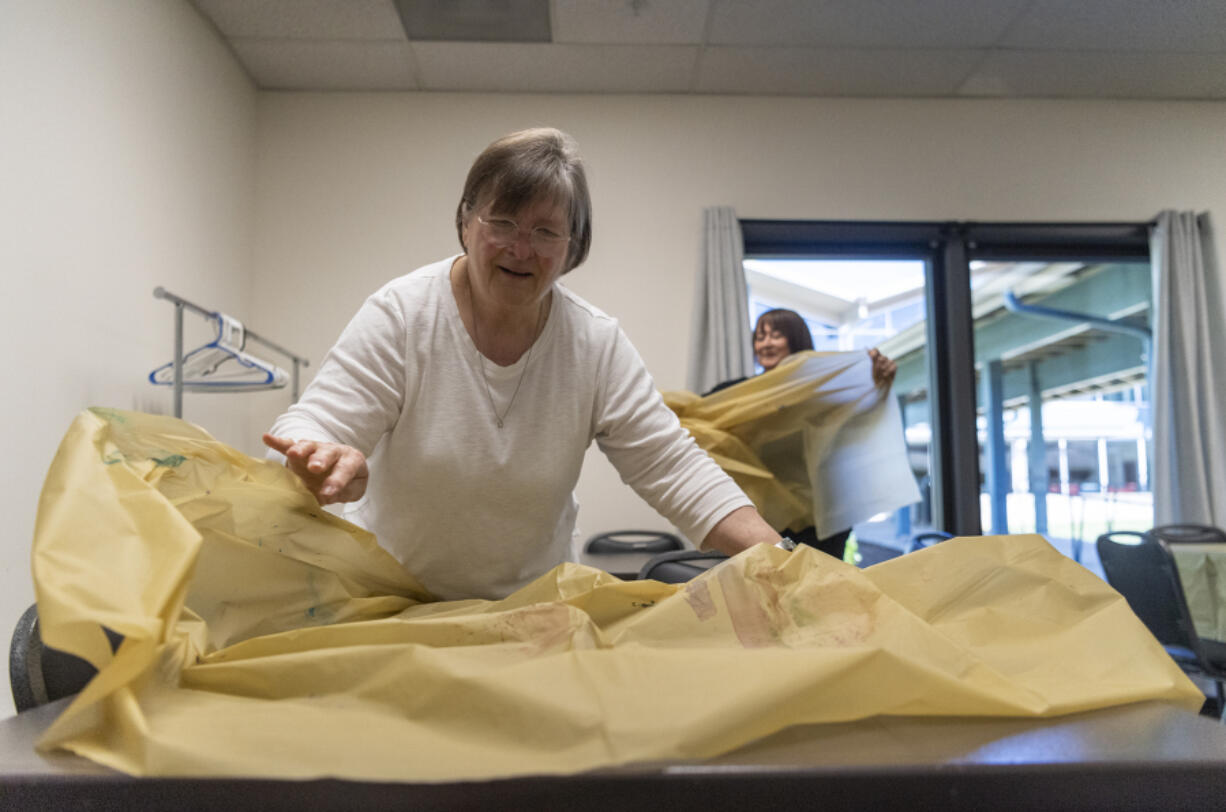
455, 409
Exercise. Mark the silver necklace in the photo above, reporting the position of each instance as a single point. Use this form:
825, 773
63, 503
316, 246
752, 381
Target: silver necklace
498, 418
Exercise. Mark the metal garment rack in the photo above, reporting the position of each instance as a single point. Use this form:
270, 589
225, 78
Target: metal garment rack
180, 304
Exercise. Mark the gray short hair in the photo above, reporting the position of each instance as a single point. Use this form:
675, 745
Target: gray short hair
526, 166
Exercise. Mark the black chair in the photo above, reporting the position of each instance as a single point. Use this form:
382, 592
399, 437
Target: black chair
927, 539
40, 674
680, 566
1189, 534
1140, 567
633, 541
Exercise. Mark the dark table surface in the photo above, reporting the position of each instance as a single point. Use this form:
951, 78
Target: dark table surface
1141, 756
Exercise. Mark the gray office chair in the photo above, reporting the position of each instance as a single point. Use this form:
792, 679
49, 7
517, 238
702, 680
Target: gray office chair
1189, 534
679, 566
40, 674
633, 541
927, 539
1140, 567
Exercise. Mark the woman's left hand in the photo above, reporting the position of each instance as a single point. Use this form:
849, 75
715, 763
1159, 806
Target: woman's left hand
331, 471
883, 368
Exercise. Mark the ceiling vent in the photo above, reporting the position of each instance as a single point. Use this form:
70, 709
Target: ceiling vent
475, 20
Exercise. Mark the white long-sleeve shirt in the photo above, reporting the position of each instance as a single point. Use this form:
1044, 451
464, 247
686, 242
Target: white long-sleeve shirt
471, 509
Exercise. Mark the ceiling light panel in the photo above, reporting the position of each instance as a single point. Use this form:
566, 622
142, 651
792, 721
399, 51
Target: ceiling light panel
475, 20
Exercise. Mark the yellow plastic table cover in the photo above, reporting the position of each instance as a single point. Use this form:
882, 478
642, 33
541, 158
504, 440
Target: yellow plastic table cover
813, 442
265, 637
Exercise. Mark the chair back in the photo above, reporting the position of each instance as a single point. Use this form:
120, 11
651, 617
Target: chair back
1141, 569
927, 539
680, 566
39, 674
1189, 534
633, 541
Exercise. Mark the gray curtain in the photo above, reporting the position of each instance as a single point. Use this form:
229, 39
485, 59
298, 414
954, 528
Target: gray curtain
1188, 373
720, 345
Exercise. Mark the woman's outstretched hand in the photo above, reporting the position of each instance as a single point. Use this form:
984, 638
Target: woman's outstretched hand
883, 368
331, 471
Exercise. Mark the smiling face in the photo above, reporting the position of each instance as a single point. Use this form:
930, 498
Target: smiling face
769, 346
513, 175
513, 272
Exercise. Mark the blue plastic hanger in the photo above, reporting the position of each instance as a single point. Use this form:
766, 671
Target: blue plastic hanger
222, 365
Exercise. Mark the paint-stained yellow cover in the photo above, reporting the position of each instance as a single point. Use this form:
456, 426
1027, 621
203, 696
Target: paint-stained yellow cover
265, 637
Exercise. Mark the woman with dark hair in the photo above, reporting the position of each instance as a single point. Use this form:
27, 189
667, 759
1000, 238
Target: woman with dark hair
777, 334
455, 409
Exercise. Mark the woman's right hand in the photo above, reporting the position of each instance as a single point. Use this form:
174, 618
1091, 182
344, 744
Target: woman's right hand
331, 471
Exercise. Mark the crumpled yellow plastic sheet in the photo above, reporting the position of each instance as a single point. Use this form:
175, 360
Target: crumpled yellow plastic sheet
813, 442
265, 637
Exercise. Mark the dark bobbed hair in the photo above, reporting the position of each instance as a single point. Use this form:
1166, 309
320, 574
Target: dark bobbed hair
526, 166
790, 324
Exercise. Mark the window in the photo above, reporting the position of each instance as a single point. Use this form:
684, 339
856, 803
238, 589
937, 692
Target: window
1061, 351
1007, 314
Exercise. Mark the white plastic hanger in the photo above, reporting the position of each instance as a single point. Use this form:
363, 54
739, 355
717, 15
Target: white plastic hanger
222, 365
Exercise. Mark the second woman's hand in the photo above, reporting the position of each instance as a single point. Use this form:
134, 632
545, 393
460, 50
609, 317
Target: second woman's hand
331, 471
883, 368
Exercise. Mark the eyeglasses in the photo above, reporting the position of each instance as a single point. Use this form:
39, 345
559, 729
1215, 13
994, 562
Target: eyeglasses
504, 232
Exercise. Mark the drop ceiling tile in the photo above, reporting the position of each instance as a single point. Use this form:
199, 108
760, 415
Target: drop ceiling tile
1099, 74
835, 72
642, 22
291, 64
548, 68
863, 23
309, 19
1122, 25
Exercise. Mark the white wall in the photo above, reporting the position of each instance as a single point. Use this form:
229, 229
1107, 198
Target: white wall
127, 158
356, 189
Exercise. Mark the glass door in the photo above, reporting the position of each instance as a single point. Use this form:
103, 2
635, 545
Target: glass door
1061, 353
1009, 315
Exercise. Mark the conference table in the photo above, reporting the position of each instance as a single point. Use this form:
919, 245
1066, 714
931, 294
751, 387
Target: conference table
1137, 756
1143, 755
1202, 570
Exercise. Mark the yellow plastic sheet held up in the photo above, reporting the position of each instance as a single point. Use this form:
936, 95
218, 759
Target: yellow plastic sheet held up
813, 442
265, 637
